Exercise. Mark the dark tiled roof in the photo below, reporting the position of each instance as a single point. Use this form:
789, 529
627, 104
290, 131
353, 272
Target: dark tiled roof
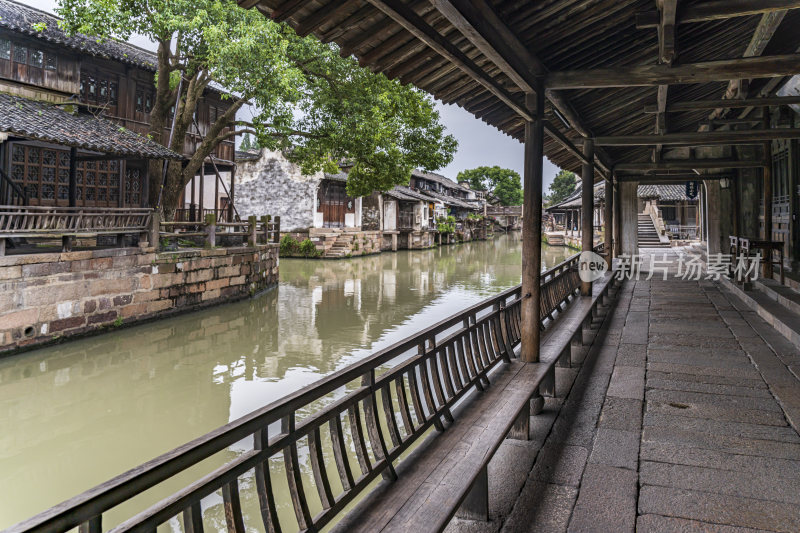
447, 182
663, 192
672, 192
47, 122
455, 202
401, 192
21, 18
247, 155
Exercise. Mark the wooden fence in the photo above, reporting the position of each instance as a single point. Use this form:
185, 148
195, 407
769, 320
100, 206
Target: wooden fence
373, 410
255, 230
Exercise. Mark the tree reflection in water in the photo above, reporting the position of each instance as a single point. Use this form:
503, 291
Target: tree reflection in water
77, 414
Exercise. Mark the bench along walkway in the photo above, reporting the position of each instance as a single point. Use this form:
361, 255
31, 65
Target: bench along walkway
683, 417
328, 442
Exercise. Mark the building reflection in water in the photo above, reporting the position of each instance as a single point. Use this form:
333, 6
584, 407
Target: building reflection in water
74, 415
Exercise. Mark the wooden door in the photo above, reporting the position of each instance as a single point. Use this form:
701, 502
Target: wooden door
333, 203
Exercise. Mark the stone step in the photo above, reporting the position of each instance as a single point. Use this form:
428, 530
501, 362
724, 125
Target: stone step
786, 296
768, 303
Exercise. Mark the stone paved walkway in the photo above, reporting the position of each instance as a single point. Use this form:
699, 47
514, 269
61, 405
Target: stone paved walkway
680, 419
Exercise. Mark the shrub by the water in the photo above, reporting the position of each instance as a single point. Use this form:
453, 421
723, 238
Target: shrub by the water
289, 246
307, 248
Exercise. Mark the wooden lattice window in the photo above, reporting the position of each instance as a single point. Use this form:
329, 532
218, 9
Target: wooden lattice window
43, 173
97, 91
133, 186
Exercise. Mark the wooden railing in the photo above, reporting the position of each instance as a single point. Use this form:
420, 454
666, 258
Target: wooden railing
67, 223
40, 220
373, 411
10, 191
195, 214
254, 230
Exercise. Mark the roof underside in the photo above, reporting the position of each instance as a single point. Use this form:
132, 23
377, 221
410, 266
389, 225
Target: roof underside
563, 34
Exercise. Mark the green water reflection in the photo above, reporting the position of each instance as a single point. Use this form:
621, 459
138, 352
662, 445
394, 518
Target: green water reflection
75, 415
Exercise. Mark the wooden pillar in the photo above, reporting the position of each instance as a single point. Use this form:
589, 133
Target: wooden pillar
217, 177
192, 205
608, 221
767, 197
532, 226
73, 177
230, 198
202, 190
587, 207
617, 237
629, 222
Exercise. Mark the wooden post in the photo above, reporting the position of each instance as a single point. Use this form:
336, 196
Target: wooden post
211, 230
476, 504
202, 181
767, 272
230, 198
587, 207
617, 207
265, 220
532, 227
153, 229
192, 205
608, 221
277, 236
73, 177
252, 239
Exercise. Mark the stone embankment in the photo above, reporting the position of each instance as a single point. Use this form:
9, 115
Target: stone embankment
52, 296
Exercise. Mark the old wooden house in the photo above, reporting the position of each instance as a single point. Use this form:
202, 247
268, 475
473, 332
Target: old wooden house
108, 79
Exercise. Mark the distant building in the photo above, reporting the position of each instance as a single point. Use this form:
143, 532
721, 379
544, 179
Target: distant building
318, 206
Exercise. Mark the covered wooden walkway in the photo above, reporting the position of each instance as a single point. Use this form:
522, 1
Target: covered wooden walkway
683, 417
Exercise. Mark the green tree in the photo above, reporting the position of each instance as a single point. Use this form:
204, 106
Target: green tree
316, 106
563, 185
245, 143
503, 184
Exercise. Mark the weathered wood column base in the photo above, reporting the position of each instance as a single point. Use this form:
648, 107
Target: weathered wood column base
476, 504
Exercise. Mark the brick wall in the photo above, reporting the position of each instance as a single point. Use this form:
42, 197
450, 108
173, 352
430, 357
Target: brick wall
47, 297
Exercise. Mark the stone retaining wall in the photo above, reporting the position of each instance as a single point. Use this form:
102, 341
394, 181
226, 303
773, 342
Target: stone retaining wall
47, 297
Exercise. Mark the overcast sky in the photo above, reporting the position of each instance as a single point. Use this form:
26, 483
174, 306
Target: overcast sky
478, 143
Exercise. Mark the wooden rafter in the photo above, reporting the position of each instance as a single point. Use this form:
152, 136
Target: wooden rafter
654, 75
716, 10
700, 138
416, 25
483, 27
679, 107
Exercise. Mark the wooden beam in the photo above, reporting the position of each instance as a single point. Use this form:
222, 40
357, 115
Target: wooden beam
729, 122
717, 10
697, 105
654, 75
705, 138
670, 179
666, 30
686, 164
416, 25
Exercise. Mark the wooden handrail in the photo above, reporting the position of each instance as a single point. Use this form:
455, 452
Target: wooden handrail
436, 368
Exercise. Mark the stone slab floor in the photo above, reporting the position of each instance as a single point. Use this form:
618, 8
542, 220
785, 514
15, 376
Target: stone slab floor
682, 417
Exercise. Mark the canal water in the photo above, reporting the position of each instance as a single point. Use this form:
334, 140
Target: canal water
77, 414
